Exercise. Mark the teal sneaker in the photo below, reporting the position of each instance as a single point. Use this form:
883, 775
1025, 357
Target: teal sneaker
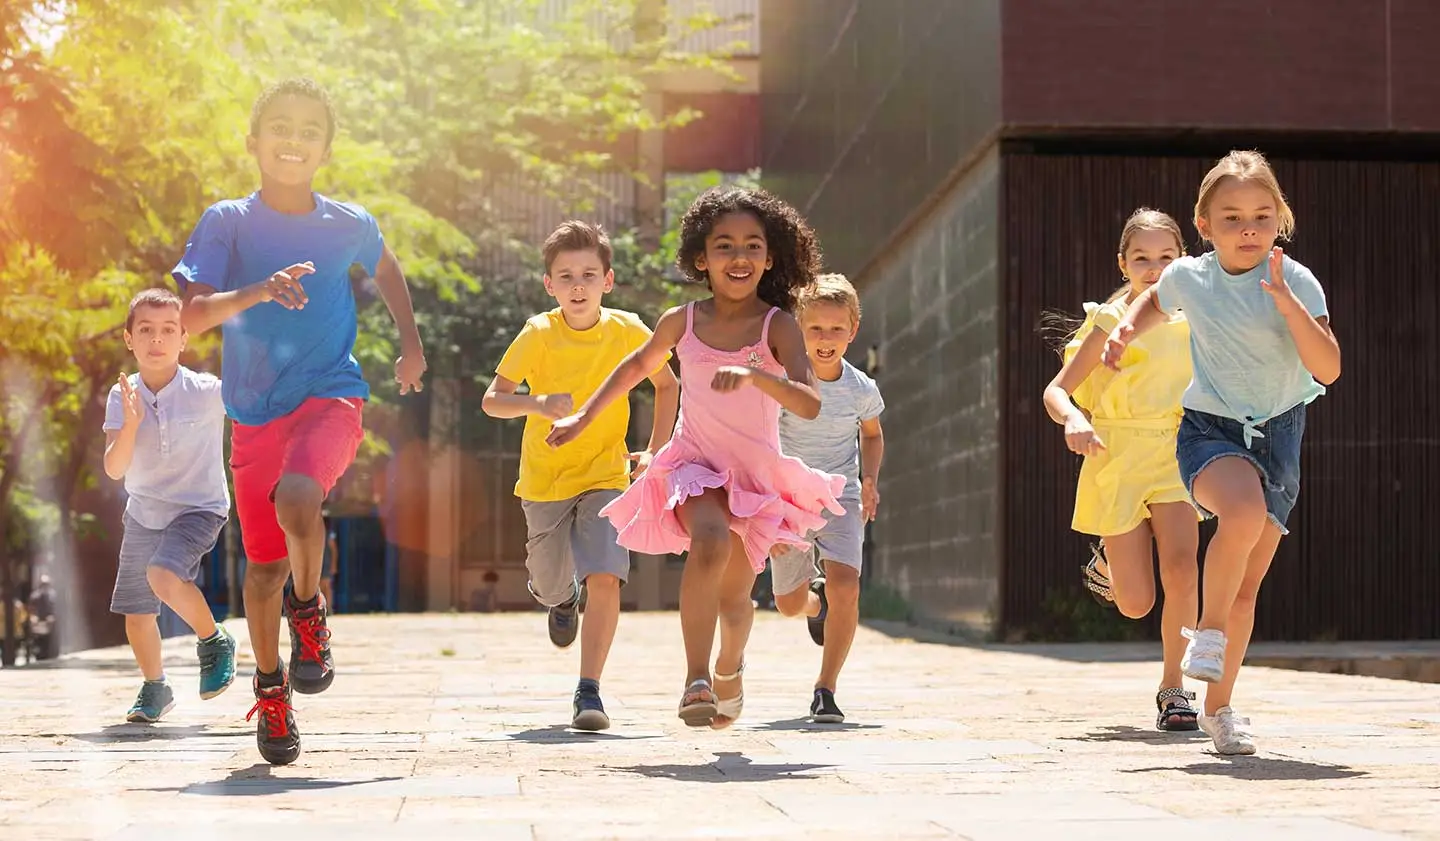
217, 663
154, 700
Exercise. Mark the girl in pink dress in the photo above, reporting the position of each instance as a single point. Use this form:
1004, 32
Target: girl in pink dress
720, 488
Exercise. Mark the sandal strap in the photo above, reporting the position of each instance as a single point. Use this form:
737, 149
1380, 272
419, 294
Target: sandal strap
719, 678
1172, 693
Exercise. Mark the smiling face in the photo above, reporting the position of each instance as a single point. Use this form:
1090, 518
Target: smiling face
1146, 255
156, 337
1243, 221
578, 280
828, 328
290, 142
736, 256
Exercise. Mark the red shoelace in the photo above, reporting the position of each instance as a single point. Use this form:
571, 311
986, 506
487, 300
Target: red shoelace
313, 634
273, 709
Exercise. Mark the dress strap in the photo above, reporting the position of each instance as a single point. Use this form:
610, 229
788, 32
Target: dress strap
690, 318
765, 329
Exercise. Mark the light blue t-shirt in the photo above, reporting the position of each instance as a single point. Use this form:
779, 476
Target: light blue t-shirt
179, 462
831, 442
1247, 367
273, 358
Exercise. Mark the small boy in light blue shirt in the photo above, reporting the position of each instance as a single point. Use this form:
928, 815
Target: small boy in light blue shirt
164, 435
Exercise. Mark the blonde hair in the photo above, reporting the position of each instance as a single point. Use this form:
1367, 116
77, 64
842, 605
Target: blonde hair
1244, 166
830, 289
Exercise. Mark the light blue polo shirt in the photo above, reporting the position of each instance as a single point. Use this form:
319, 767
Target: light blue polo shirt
179, 463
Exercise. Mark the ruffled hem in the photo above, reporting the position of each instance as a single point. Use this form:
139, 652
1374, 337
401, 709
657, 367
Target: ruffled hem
646, 520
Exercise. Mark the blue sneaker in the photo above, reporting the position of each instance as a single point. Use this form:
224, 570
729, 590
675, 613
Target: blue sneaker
217, 663
589, 710
155, 699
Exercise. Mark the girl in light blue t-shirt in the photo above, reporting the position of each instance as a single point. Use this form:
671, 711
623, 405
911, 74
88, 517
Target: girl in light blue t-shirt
1262, 349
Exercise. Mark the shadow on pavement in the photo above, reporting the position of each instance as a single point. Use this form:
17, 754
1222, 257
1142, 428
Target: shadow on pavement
562, 734
1136, 735
728, 767
258, 780
808, 726
1260, 768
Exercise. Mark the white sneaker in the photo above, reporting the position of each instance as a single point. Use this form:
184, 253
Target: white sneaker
1204, 656
1229, 731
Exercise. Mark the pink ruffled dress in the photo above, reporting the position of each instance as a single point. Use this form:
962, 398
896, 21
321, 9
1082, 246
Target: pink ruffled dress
729, 441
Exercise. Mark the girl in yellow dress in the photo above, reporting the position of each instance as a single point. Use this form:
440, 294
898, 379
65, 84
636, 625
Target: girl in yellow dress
1130, 491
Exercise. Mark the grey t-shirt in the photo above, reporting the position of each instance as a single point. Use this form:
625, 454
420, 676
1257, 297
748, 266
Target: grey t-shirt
179, 462
831, 442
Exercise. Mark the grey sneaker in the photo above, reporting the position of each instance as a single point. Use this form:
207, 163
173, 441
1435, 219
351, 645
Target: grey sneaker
1229, 731
564, 621
1204, 656
155, 699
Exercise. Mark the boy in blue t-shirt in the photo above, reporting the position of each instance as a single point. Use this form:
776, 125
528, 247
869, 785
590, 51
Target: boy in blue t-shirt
274, 269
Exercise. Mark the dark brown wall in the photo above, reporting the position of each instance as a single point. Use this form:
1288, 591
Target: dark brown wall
866, 106
1331, 65
1362, 561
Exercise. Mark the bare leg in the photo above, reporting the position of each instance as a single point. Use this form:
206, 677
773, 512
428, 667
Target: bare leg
597, 631
706, 519
297, 508
737, 616
1130, 557
184, 598
143, 632
1230, 488
1242, 618
264, 590
842, 591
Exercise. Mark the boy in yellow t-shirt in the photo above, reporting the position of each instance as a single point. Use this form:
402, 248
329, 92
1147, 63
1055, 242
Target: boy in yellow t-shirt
563, 356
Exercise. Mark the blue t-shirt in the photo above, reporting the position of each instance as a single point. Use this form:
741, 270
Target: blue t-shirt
273, 358
1247, 367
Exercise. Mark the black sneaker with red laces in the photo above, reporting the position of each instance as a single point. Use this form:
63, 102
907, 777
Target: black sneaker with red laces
312, 670
275, 732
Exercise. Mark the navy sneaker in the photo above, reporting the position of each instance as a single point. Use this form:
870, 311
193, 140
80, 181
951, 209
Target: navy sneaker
589, 709
823, 709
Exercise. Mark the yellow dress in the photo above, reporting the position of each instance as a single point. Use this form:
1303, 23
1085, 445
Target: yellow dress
1136, 412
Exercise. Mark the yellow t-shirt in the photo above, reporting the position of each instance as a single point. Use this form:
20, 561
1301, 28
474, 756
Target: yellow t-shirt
553, 358
1154, 370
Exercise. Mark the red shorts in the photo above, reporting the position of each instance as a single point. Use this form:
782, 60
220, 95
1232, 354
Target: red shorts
317, 440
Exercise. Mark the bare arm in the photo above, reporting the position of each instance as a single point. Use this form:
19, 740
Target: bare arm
119, 451
206, 309
1144, 314
1316, 342
390, 280
501, 401
1057, 394
795, 392
667, 406
628, 374
872, 452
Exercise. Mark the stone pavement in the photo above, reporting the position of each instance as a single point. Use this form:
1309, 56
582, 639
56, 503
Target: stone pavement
451, 726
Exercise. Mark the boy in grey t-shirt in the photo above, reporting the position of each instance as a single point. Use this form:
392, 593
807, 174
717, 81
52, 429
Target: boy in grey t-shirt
164, 435
846, 439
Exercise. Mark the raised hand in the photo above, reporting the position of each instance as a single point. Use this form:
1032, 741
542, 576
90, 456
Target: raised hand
1274, 283
565, 430
1115, 345
130, 402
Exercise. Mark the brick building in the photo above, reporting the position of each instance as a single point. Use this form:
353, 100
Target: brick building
970, 164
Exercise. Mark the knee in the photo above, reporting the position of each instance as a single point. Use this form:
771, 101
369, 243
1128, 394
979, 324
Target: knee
266, 579
1179, 572
1243, 518
1245, 599
842, 586
297, 504
709, 544
602, 584
1134, 605
163, 581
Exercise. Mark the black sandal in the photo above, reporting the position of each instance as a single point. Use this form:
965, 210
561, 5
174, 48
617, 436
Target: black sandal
1095, 581
1174, 703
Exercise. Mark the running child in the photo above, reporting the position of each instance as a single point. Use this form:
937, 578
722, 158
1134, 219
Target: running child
845, 439
1130, 492
1260, 339
720, 489
563, 355
274, 269
165, 437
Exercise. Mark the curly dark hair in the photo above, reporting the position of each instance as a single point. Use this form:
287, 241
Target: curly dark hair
794, 250
307, 88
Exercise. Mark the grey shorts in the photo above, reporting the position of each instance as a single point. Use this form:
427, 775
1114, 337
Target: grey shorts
841, 539
567, 541
178, 548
